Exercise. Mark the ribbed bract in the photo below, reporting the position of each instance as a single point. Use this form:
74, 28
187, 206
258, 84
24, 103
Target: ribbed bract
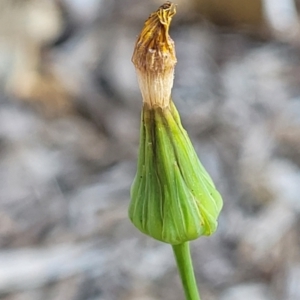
173, 199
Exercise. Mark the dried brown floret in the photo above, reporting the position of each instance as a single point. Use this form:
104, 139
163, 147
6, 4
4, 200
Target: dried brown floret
154, 57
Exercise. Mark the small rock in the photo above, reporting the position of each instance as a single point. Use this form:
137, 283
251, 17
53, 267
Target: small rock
250, 291
292, 283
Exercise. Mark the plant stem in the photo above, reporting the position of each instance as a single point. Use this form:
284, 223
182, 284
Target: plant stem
186, 271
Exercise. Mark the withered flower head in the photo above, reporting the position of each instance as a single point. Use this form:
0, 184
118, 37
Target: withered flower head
173, 198
154, 57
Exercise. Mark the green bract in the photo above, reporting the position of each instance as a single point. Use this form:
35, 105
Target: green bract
173, 199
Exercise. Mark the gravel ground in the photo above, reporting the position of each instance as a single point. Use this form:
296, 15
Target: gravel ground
68, 147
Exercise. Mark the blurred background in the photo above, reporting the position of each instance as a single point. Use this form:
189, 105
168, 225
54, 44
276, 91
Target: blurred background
69, 128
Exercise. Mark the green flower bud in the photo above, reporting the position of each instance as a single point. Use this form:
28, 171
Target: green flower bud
173, 199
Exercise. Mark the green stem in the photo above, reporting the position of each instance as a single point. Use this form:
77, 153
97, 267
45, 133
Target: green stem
186, 271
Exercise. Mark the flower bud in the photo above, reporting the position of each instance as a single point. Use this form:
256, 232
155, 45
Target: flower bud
173, 199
